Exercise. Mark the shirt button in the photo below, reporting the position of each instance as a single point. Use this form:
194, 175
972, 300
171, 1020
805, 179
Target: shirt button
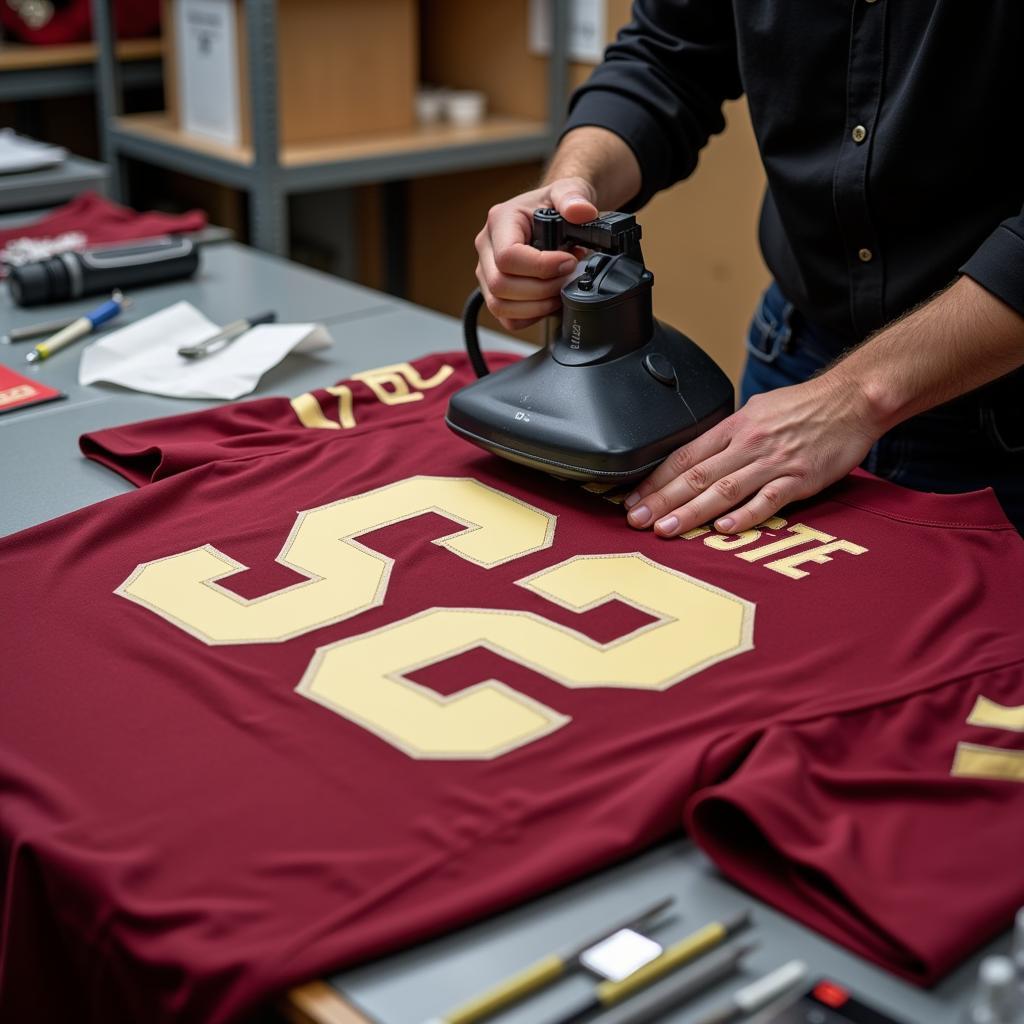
866, 255
859, 134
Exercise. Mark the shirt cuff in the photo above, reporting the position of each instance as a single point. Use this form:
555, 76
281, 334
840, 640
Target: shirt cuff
636, 126
998, 264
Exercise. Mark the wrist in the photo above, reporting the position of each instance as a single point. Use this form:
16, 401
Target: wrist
600, 159
863, 399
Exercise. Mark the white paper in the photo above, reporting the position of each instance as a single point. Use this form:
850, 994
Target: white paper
207, 71
588, 29
144, 356
18, 153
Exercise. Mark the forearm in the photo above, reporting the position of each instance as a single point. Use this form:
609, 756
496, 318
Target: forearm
959, 340
601, 158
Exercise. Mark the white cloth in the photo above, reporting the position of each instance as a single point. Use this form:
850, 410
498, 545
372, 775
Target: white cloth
19, 154
144, 356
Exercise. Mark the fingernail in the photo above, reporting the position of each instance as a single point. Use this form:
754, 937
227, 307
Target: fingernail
631, 499
725, 524
567, 267
640, 516
668, 525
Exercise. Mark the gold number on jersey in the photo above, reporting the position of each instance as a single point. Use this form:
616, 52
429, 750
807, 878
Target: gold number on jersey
343, 577
364, 677
975, 761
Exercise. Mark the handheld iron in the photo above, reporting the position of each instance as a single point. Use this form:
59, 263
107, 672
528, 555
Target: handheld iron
615, 392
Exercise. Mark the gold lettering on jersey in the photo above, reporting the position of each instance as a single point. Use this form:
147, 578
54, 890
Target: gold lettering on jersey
988, 714
789, 566
390, 385
343, 577
308, 410
973, 761
363, 678
799, 536
729, 542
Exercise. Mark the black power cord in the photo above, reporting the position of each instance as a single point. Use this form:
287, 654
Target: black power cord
470, 313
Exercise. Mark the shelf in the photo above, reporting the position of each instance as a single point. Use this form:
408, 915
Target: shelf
38, 72
426, 149
22, 56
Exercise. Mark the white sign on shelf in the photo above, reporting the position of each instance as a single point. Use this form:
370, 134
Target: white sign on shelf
207, 72
588, 29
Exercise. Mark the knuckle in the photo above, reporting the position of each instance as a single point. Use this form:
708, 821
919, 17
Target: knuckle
772, 497
697, 477
728, 488
493, 280
679, 461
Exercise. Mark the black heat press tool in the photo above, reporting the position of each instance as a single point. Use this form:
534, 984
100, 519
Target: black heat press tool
615, 392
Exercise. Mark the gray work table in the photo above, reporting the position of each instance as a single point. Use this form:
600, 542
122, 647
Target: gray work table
44, 476
50, 185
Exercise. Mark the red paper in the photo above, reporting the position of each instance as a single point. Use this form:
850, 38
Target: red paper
17, 391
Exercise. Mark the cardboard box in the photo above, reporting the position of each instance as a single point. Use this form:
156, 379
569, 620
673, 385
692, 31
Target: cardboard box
345, 68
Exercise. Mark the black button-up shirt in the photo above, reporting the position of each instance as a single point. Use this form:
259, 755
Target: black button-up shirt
890, 132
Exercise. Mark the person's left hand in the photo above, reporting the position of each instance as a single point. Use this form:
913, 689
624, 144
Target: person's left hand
781, 446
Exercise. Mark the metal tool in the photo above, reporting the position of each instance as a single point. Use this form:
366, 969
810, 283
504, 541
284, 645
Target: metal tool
652, 1003
615, 392
758, 994
544, 971
224, 336
610, 993
79, 328
16, 334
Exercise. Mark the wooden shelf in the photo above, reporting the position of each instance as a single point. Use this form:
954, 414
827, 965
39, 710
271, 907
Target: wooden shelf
419, 139
158, 128
23, 57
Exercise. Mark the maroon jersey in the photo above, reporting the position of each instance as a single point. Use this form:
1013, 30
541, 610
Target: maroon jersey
333, 681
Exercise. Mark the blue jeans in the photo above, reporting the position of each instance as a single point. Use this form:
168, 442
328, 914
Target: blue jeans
973, 442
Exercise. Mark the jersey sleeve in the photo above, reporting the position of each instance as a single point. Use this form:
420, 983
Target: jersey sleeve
895, 830
388, 395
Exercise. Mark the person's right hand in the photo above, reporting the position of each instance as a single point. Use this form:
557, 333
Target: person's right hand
520, 284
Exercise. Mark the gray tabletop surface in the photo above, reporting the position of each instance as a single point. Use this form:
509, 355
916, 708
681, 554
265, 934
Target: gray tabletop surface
43, 476
52, 184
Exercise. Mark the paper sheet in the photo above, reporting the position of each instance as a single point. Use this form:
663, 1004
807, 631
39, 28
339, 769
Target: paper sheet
144, 356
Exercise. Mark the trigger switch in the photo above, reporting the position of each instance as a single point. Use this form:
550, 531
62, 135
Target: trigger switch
660, 368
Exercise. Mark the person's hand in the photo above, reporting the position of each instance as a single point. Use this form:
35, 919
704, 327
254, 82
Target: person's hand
781, 446
520, 284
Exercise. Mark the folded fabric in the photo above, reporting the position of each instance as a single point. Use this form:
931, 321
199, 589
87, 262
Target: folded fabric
90, 220
144, 355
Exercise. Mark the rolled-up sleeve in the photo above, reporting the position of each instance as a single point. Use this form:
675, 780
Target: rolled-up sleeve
661, 87
998, 263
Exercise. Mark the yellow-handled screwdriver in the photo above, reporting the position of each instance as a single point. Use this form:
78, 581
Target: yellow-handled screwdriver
542, 973
608, 993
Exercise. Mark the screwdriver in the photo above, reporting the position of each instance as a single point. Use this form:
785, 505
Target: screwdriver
79, 328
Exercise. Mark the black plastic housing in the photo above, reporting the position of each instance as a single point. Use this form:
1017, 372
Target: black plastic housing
95, 271
612, 420
615, 392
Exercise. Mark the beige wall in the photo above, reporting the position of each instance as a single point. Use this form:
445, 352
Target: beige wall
700, 240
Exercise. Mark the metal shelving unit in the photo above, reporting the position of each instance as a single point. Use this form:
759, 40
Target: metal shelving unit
268, 176
42, 72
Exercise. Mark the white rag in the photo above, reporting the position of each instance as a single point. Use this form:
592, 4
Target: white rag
144, 356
